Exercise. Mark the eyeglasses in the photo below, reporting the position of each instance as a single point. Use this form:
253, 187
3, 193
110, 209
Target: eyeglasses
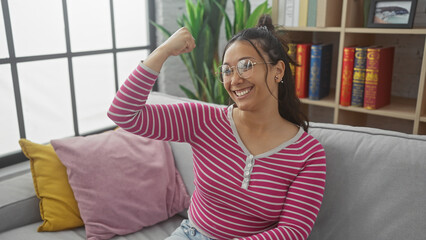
244, 70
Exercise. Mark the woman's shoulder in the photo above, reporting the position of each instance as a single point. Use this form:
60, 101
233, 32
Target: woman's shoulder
307, 141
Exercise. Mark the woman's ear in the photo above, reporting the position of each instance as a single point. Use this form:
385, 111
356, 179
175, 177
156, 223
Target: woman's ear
279, 70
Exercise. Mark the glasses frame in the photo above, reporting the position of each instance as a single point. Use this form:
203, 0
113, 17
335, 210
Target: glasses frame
220, 73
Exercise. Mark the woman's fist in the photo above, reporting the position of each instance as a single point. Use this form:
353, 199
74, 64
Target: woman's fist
180, 42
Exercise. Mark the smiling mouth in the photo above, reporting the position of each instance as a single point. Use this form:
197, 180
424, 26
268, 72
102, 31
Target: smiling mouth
242, 92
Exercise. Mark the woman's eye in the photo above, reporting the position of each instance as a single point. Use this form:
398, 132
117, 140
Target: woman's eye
246, 65
227, 71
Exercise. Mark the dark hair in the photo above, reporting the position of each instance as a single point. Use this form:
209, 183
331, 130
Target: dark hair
273, 42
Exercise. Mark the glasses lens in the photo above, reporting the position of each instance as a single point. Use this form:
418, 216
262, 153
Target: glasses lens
245, 68
225, 72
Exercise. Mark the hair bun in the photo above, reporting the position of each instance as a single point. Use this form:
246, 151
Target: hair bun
266, 22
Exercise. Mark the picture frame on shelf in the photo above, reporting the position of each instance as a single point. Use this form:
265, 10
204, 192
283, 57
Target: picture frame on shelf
391, 13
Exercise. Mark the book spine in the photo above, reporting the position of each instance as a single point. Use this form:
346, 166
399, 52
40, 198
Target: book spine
326, 55
312, 13
385, 77
296, 13
347, 75
292, 54
303, 13
315, 72
371, 78
303, 53
321, 13
289, 13
358, 81
281, 12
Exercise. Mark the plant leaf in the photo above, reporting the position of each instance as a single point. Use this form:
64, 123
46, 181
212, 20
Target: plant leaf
257, 13
189, 93
239, 15
206, 92
162, 29
246, 12
228, 26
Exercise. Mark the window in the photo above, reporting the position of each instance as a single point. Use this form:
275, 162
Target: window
61, 63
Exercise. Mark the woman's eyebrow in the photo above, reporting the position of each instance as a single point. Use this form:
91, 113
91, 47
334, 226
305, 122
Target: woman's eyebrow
246, 57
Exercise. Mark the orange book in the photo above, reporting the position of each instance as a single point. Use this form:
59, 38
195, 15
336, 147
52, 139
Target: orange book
347, 76
378, 78
303, 56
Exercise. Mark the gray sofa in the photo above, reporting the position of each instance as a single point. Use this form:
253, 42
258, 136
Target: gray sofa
375, 188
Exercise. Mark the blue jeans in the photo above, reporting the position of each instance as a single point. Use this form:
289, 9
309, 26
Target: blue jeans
187, 232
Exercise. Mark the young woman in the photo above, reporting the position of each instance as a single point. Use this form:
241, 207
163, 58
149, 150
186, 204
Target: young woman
258, 173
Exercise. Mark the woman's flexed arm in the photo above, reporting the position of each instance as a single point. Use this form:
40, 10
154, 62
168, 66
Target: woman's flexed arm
129, 110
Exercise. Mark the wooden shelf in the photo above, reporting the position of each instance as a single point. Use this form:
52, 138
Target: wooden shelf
419, 31
314, 29
328, 101
406, 113
403, 108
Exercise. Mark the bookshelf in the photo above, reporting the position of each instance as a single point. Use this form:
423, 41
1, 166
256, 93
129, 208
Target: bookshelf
407, 111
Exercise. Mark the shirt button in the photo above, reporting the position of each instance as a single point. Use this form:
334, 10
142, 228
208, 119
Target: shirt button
249, 165
245, 185
246, 173
246, 180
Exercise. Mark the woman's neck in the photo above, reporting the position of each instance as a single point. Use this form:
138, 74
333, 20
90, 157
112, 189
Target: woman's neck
266, 119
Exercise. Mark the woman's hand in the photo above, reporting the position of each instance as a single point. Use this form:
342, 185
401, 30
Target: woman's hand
180, 42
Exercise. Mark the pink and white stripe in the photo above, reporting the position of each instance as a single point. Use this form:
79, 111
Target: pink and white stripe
286, 184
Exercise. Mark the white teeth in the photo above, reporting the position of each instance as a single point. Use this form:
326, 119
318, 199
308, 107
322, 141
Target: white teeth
242, 93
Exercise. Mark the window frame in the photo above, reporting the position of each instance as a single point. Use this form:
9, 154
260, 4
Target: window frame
17, 157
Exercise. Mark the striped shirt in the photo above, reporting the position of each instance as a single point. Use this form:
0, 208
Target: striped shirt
273, 195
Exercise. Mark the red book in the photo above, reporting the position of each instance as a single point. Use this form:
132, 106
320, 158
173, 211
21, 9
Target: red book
378, 78
303, 55
347, 76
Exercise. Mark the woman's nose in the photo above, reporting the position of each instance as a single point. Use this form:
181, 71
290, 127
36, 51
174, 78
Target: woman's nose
236, 78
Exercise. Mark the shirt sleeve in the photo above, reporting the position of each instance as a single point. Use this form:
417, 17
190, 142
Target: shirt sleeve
167, 122
302, 203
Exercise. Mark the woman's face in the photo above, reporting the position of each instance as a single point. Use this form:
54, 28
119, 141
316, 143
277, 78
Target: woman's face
250, 93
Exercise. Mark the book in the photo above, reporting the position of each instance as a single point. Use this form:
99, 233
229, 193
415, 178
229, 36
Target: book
320, 70
292, 54
358, 80
366, 11
312, 13
303, 13
378, 77
281, 12
289, 13
347, 76
303, 53
321, 12
296, 13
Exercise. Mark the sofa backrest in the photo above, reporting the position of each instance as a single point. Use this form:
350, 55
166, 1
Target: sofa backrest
375, 184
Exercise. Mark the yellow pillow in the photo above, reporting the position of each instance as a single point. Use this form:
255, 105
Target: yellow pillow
58, 207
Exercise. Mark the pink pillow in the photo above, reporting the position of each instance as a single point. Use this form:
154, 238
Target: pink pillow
122, 182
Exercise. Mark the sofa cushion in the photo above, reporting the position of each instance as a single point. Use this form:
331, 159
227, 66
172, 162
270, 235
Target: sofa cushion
375, 186
58, 207
29, 232
122, 182
18, 201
